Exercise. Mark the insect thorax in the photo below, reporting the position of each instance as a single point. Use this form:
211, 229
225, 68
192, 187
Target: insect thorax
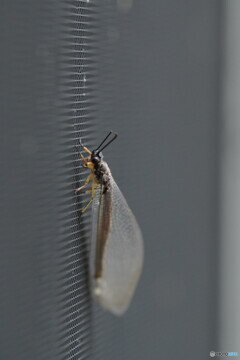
102, 173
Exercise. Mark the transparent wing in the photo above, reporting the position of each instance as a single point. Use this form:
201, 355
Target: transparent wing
117, 250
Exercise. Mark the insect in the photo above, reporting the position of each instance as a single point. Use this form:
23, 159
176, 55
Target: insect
116, 254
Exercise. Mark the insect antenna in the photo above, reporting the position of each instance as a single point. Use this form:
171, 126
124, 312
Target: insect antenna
103, 140
114, 137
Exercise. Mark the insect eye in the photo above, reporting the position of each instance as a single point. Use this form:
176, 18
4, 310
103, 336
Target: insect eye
96, 157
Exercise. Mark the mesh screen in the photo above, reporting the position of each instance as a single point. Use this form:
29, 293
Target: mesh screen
149, 71
47, 104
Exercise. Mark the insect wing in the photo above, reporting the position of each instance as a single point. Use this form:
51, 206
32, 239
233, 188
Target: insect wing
117, 250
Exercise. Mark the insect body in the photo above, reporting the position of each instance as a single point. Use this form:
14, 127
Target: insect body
116, 255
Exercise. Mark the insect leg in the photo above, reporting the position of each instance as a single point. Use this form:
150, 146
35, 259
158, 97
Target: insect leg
84, 160
86, 149
92, 197
90, 190
86, 182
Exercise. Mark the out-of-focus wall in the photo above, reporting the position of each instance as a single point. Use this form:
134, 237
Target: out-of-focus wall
230, 183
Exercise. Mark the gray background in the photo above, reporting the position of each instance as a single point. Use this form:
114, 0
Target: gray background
149, 71
229, 291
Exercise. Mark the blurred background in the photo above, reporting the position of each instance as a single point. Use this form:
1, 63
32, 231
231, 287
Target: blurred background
164, 75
